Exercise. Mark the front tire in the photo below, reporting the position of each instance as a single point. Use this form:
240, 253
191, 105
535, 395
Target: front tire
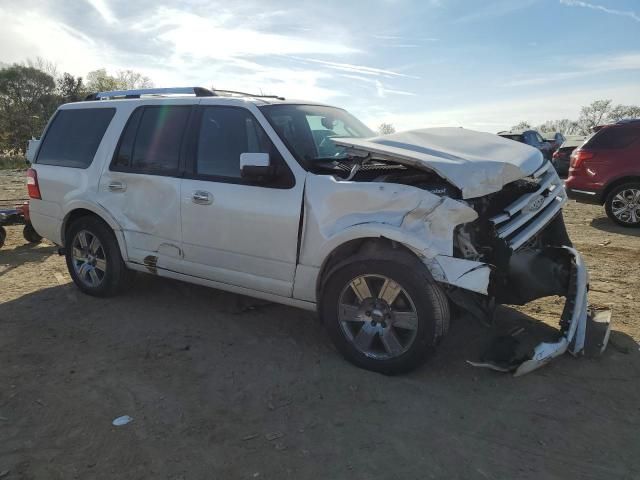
93, 257
384, 315
623, 205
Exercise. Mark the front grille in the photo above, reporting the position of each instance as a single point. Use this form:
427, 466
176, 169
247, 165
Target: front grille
525, 217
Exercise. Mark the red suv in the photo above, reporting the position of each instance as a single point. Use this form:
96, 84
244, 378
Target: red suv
606, 170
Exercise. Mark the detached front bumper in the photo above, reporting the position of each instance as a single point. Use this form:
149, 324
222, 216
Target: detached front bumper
583, 329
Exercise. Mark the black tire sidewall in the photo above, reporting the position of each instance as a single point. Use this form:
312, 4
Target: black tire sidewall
115, 266
609, 200
425, 294
30, 235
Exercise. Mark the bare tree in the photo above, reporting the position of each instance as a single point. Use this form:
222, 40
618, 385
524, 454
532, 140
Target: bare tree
522, 126
593, 115
564, 126
386, 129
100, 80
623, 111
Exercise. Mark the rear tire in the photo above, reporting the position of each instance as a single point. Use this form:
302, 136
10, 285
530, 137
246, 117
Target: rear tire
623, 205
391, 322
3, 236
93, 257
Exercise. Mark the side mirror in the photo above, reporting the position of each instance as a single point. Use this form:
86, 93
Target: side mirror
32, 149
256, 166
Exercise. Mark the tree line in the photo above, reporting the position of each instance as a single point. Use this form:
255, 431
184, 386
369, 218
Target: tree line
597, 113
31, 92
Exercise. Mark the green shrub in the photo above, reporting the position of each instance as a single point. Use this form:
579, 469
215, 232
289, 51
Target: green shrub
12, 161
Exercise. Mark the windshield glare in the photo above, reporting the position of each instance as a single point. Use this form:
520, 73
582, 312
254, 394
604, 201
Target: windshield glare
308, 129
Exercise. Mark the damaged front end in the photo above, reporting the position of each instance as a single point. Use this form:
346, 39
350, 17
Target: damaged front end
520, 234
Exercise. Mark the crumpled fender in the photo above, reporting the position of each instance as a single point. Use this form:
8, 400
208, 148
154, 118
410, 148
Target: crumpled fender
339, 211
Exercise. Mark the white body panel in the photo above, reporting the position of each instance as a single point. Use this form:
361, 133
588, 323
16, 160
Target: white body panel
477, 163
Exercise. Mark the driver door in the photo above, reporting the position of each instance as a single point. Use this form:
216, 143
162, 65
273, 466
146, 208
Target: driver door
236, 231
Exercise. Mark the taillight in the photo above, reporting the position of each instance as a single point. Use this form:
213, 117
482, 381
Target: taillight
32, 184
579, 156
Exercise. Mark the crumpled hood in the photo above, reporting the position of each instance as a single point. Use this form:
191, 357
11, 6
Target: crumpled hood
477, 163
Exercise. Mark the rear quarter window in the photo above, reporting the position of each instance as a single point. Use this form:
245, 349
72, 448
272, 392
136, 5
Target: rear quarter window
73, 137
614, 138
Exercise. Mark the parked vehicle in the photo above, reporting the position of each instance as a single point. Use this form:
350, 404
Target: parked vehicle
18, 215
554, 139
605, 170
530, 137
299, 203
560, 158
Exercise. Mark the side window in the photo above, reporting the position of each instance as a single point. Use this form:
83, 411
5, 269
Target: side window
614, 138
225, 133
152, 140
73, 137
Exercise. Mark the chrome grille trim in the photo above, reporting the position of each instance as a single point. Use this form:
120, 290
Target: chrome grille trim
517, 223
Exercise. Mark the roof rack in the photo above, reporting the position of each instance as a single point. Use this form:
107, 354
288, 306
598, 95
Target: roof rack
197, 91
245, 94
627, 120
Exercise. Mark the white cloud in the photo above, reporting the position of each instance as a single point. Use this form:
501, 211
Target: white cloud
103, 9
612, 11
212, 37
581, 67
347, 67
500, 115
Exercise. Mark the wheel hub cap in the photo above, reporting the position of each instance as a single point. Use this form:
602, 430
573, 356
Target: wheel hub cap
88, 258
377, 316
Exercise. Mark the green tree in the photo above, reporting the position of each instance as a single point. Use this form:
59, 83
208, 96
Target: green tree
27, 100
70, 88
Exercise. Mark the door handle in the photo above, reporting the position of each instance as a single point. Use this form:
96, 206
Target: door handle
202, 197
117, 187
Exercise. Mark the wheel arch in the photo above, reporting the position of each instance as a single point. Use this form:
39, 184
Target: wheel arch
616, 183
357, 248
88, 210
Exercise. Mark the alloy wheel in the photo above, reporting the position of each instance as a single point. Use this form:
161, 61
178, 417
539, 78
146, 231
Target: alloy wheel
377, 316
89, 259
625, 206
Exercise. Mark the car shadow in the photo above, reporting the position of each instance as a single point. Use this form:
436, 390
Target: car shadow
607, 225
11, 258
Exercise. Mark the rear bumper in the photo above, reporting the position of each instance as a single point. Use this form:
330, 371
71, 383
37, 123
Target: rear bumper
585, 195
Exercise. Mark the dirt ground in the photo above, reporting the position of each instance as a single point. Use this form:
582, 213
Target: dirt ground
221, 391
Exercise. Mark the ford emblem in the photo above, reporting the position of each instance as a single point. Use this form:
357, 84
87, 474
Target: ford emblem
535, 203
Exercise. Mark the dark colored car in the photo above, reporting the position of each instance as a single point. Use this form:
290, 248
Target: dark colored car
530, 137
606, 171
555, 139
560, 158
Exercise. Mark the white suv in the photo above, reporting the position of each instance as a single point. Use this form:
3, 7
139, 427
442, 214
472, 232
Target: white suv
299, 203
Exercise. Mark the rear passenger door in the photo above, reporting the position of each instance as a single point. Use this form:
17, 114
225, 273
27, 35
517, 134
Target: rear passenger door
141, 187
235, 231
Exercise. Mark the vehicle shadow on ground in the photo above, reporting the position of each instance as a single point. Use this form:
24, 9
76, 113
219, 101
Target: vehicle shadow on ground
260, 386
606, 225
11, 258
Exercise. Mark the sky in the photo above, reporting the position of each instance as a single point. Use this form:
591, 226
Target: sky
480, 64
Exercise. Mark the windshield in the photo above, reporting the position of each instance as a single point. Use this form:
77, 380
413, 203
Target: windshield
308, 129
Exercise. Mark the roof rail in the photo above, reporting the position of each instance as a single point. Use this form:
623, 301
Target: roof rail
624, 121
245, 94
197, 91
